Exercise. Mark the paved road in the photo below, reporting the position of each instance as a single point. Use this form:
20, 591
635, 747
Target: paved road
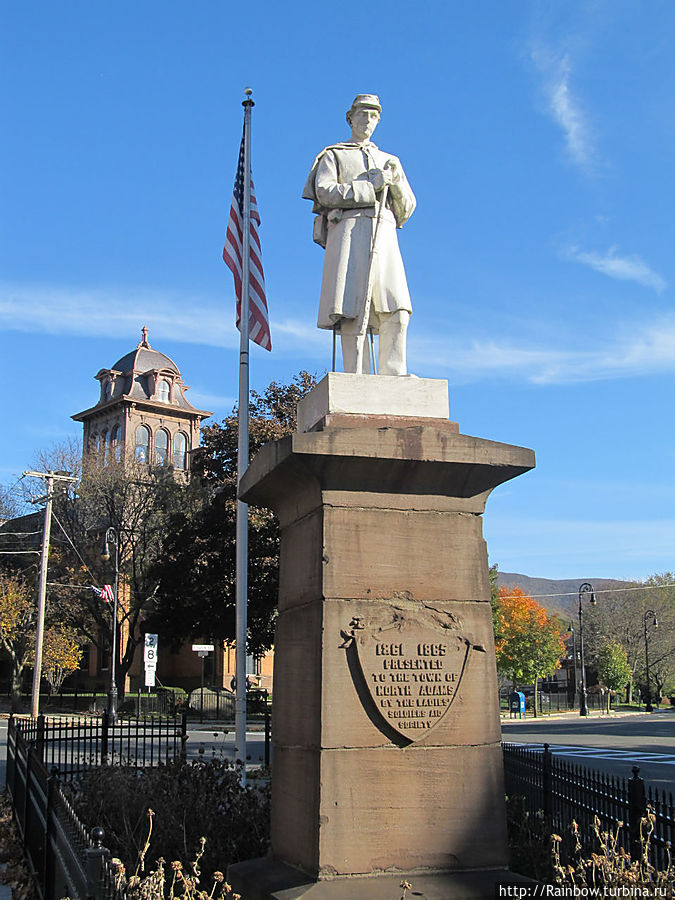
208, 742
202, 741
608, 744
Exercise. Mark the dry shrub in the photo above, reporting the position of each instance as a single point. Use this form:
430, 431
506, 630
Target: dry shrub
189, 800
611, 865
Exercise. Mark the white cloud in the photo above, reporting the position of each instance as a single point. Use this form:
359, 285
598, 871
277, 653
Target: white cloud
216, 402
637, 350
625, 268
564, 107
121, 312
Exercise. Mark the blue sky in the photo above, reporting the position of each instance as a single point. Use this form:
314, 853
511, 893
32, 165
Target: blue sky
538, 138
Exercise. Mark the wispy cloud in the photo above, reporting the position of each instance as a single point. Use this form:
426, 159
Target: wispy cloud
625, 268
216, 402
564, 107
635, 351
183, 318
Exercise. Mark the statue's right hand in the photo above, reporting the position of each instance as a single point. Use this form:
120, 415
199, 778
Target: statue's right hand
379, 177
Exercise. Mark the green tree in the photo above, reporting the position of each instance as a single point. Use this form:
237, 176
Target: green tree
196, 573
614, 671
619, 617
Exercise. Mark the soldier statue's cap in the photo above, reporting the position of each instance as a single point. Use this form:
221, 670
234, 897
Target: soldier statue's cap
372, 101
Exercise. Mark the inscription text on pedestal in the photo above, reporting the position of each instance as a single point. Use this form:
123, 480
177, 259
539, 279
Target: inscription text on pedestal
412, 680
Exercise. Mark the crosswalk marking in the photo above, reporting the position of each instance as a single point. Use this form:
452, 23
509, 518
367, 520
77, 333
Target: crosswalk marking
667, 759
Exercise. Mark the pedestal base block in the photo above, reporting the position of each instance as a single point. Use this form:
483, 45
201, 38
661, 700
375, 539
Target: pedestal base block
269, 879
387, 757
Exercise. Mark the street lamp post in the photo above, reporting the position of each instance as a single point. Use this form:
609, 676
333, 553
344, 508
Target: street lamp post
655, 624
112, 537
574, 661
584, 588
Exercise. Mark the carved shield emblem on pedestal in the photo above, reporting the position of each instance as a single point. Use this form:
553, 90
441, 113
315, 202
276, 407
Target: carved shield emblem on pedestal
407, 669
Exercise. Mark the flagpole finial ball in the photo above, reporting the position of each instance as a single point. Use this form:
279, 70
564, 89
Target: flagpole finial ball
248, 91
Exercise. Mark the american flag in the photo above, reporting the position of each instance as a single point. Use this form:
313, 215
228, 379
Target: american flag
258, 319
105, 593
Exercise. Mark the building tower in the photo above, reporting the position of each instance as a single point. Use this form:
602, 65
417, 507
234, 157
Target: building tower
142, 412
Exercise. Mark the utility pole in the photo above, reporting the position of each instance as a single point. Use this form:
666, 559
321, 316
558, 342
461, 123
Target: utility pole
50, 477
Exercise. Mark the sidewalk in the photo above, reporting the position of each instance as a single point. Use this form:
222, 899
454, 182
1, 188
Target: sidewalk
505, 717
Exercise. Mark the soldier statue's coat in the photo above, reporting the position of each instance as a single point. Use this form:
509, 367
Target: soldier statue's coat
347, 207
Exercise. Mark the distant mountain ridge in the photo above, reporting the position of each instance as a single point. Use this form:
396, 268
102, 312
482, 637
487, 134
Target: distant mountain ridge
557, 596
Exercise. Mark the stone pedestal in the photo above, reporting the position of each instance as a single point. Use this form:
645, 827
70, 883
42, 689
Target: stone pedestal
387, 757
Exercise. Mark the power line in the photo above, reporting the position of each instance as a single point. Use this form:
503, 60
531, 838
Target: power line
643, 587
17, 552
77, 552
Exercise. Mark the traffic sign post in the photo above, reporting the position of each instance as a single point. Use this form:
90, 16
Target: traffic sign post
150, 658
202, 650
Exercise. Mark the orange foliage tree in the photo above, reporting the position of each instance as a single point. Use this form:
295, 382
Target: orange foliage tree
530, 644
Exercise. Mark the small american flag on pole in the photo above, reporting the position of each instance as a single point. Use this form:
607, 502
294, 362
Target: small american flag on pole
259, 326
105, 593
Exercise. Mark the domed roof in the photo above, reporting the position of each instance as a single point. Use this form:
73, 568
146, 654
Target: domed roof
144, 358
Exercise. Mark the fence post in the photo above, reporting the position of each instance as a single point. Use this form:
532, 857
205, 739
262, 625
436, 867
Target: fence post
40, 737
637, 810
11, 756
48, 868
183, 734
267, 731
546, 781
104, 737
26, 804
94, 857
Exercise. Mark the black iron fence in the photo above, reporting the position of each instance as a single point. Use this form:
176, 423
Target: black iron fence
66, 860
554, 702
74, 743
564, 792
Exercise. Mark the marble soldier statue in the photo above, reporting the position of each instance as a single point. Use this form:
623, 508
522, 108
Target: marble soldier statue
361, 196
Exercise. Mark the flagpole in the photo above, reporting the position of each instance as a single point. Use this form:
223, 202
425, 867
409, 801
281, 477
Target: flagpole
242, 458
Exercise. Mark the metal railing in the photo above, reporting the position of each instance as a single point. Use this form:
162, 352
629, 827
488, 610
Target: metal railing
73, 744
564, 792
65, 859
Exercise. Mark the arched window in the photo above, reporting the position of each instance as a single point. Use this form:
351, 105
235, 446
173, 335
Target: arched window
115, 444
180, 451
108, 390
95, 443
142, 443
162, 447
105, 446
164, 391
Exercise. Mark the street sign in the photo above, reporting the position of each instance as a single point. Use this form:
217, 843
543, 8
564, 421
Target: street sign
206, 648
150, 650
150, 676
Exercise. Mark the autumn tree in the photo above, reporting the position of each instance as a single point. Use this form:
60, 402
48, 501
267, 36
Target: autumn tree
196, 574
61, 655
530, 643
493, 575
18, 619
